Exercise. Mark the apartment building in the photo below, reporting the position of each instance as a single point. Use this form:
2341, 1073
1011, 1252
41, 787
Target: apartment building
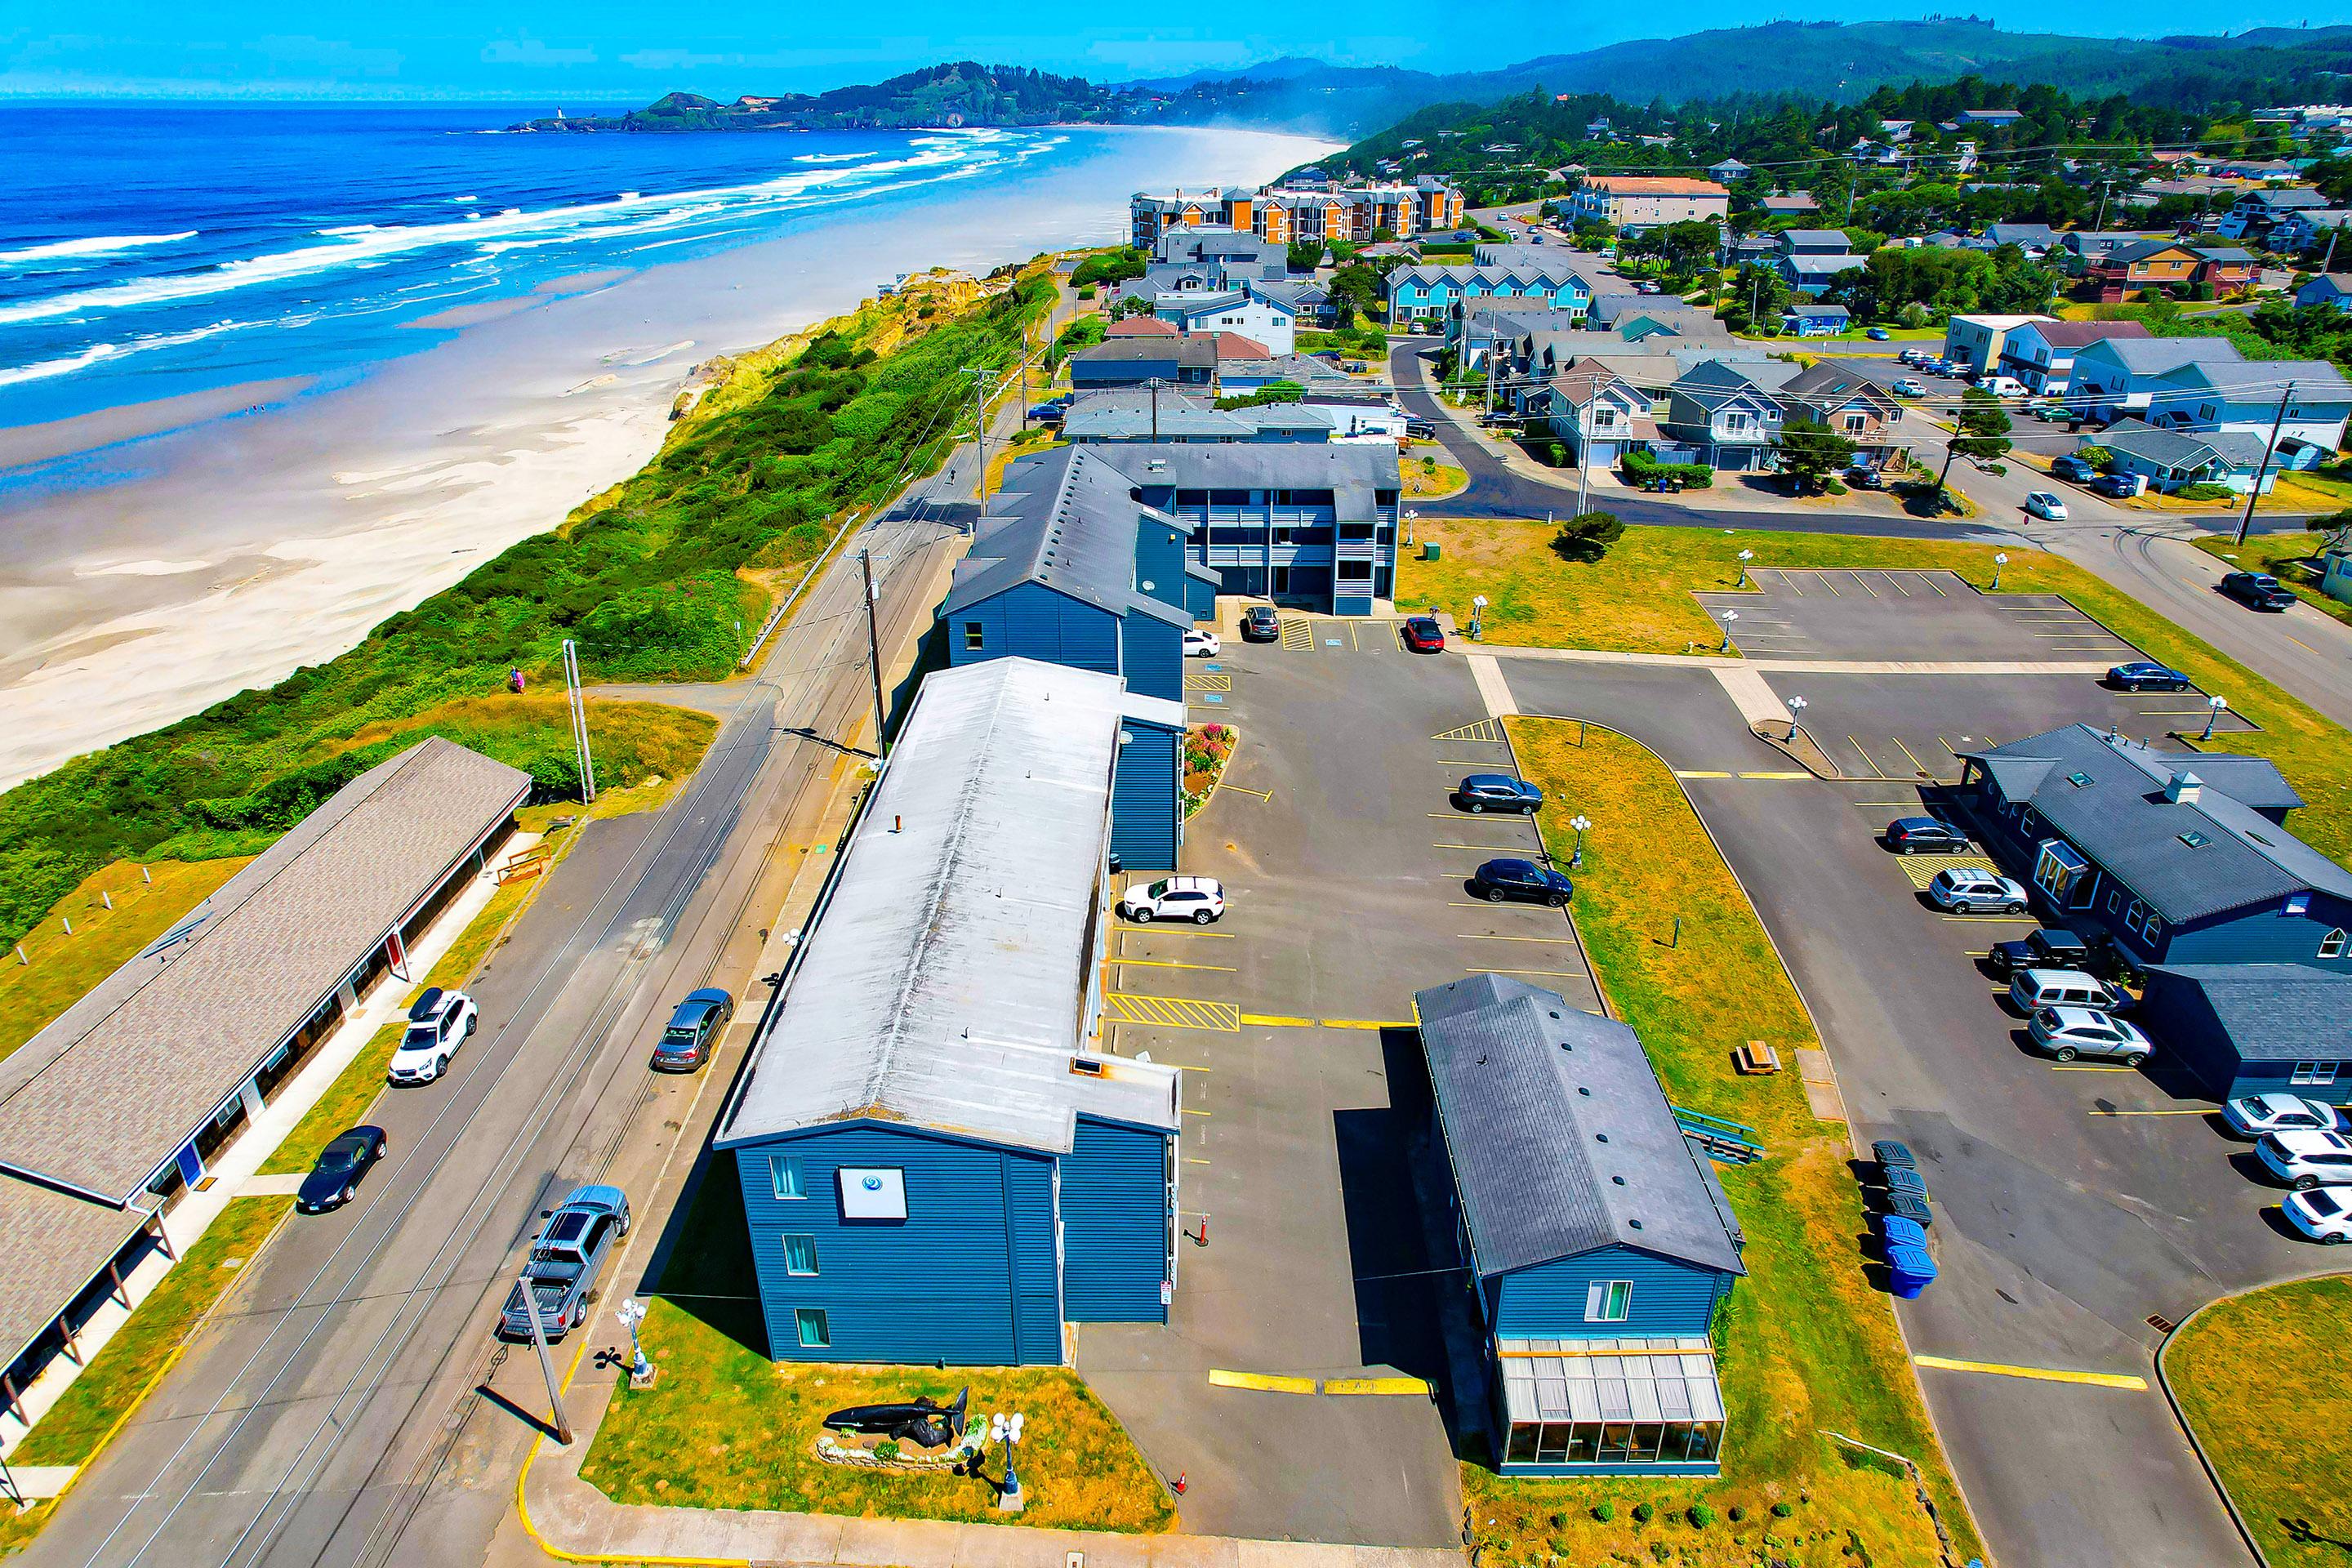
1636, 202
1291, 215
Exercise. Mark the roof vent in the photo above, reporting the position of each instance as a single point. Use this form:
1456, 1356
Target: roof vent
2194, 839
1601, 1137
1616, 1181
1088, 1067
1632, 1225
2078, 780
2184, 789
1585, 1092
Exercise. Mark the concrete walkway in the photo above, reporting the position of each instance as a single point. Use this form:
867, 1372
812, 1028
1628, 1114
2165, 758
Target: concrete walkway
1799, 665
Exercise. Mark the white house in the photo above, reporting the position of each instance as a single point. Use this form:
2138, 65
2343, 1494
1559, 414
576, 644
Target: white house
2114, 377
1230, 310
2308, 401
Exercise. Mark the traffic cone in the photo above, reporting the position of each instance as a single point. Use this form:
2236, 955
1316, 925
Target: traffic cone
1179, 1487
1203, 1240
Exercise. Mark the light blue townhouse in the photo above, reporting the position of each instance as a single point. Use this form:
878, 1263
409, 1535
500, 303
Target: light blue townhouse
1424, 293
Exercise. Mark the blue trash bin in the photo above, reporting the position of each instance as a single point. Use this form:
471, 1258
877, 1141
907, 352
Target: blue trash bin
1903, 1179
1896, 1231
1910, 1270
1891, 1155
1910, 1208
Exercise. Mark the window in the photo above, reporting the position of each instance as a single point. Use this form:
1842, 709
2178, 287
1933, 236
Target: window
785, 1177
815, 1330
1855, 421
2332, 944
974, 636
1608, 1301
800, 1255
2314, 1075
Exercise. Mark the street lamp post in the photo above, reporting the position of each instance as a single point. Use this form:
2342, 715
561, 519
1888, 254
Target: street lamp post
2214, 708
1477, 614
1745, 557
1576, 856
1411, 517
632, 1312
1006, 1429
1999, 561
1728, 617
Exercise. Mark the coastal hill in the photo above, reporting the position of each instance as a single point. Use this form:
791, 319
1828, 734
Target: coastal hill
1838, 61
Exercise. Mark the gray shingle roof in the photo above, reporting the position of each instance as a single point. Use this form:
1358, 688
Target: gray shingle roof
2276, 1012
2188, 450
51, 1247
1070, 522
1352, 471
2120, 816
2316, 380
1560, 1139
945, 984
108, 1092
2154, 356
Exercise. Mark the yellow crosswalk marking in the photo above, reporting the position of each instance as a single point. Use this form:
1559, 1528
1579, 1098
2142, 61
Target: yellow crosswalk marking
1484, 729
1206, 682
1922, 868
2038, 1374
1171, 1012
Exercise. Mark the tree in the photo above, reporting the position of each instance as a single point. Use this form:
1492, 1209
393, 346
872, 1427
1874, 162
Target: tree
1588, 535
1983, 433
1810, 452
1110, 267
1306, 255
1132, 305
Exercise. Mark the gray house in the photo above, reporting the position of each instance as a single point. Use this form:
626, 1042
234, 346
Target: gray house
1727, 415
2257, 1028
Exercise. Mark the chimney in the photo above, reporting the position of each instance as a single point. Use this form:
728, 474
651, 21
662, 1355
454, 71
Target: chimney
2184, 789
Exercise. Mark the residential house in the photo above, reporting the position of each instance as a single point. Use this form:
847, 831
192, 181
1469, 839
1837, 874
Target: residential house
2255, 1029
1191, 359
1726, 415
926, 1182
2079, 247
1756, 250
1142, 327
2036, 239
2225, 268
2040, 353
1237, 376
1595, 1240
1811, 259
2176, 857
1633, 317
2306, 403
1794, 203
1233, 253
2255, 214
1833, 393
2144, 264
1136, 415
1977, 341
1308, 524
1803, 320
2172, 459
1426, 293
1523, 336
1636, 202
1263, 321
1595, 414
1307, 301
2330, 289
1992, 119
1727, 170
2309, 228
2114, 377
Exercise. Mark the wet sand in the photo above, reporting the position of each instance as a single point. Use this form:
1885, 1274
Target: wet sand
154, 574
26, 444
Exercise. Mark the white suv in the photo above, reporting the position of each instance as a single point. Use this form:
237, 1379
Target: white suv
2323, 1214
1965, 889
437, 1025
1196, 898
2306, 1159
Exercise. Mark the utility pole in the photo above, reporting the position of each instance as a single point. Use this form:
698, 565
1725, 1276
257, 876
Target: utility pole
980, 430
2253, 491
2099, 223
1155, 384
578, 704
873, 646
1490, 379
2328, 261
546, 1365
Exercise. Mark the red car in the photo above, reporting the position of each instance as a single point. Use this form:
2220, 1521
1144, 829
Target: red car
1423, 635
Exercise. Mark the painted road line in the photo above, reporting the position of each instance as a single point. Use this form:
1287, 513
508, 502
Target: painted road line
1896, 583
1699, 774
1866, 757
1263, 1383
1239, 789
1484, 729
1171, 1012
1482, 848
1865, 583
2298, 642
1208, 683
1489, 936
1172, 963
1909, 753
2037, 1373
1933, 583
2166, 1111
1370, 1023
1794, 775
1276, 1021
2092, 1066
1823, 578
1547, 974
1344, 1385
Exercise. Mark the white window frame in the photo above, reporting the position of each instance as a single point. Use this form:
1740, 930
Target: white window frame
1609, 1301
777, 1166
2332, 944
2314, 1074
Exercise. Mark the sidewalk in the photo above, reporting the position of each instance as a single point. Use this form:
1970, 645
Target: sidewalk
1799, 665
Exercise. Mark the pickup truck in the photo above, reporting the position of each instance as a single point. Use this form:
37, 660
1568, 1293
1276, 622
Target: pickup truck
2042, 949
560, 1276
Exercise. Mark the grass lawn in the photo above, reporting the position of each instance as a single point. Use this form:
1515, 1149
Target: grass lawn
2281, 1441
726, 1427
111, 1387
1427, 479
1806, 1346
1638, 598
2280, 555
63, 967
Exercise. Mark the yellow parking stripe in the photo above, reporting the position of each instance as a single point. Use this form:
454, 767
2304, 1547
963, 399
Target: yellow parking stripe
1173, 963
2037, 1373
1488, 936
1276, 1021
1171, 1012
1375, 1385
1263, 1383
2166, 1110
1370, 1023
1910, 754
1699, 774
1482, 848
1484, 729
1781, 775
1265, 794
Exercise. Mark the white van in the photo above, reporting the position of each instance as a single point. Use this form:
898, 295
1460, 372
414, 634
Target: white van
2001, 385
2033, 988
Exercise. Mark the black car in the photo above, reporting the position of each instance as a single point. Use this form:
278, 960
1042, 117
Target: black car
1523, 880
1496, 792
2046, 948
2145, 675
1260, 623
2257, 591
2117, 485
1924, 835
694, 1029
2074, 468
1865, 478
341, 1163
1420, 429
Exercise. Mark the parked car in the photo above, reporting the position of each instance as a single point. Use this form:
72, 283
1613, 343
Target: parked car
1260, 623
2033, 989
1878, 334
2050, 413
2306, 1159
1199, 899
2070, 1032
2118, 486
1047, 412
2256, 591
1496, 792
1910, 386
1910, 356
2252, 1115
2001, 385
1863, 477
1497, 881
2323, 1214
1423, 635
1971, 889
1199, 644
340, 1165
559, 1278
1645, 286
2046, 505
2046, 948
1924, 835
2143, 675
1420, 429
2073, 469
438, 1023
695, 1026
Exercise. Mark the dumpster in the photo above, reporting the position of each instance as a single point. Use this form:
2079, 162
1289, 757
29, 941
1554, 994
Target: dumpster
1891, 1155
1909, 1271
1903, 1179
1429, 551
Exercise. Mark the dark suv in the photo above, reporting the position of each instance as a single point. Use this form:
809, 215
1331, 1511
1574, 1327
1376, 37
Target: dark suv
1523, 880
1260, 623
1496, 792
2045, 948
1924, 835
2256, 591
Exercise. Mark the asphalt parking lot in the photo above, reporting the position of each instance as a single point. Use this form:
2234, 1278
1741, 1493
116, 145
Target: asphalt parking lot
1344, 865
1909, 616
2080, 1207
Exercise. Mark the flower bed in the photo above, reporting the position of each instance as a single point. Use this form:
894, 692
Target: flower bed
1208, 748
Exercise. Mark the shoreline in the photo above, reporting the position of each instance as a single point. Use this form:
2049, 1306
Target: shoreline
191, 563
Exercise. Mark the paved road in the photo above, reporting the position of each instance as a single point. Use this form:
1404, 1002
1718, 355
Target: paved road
348, 1405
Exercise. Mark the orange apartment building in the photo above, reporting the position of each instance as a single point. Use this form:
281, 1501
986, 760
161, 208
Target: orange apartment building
1350, 213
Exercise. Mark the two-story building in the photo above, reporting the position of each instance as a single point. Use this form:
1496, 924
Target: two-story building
2039, 353
1978, 341
1243, 310
1725, 415
1185, 359
2226, 269
2304, 401
1596, 1241
2114, 377
2079, 247
1594, 413
2309, 228
1812, 259
1426, 293
2253, 215
939, 1164
2332, 289
1636, 202
1097, 419
2142, 265
1833, 393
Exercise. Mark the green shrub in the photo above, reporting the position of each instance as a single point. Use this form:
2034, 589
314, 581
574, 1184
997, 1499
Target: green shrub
1088, 292
1700, 1516
2204, 492
1644, 1512
1781, 1511
887, 1448
1588, 535
1604, 1512
1639, 465
2096, 455
1834, 487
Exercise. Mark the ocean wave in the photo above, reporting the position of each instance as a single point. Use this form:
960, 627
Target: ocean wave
831, 157
16, 375
93, 245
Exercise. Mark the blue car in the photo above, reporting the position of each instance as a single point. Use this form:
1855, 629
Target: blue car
1878, 334
2074, 469
1498, 881
1496, 792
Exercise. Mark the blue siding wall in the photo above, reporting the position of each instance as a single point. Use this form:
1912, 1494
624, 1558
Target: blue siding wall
2263, 936
1147, 809
1199, 597
1548, 1300
969, 1277
2187, 1029
1115, 1224
1159, 562
1033, 621
1153, 657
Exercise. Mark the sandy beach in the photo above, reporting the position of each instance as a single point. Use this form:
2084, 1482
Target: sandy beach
172, 553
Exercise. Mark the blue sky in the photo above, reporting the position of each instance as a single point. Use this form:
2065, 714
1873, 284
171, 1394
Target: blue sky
611, 51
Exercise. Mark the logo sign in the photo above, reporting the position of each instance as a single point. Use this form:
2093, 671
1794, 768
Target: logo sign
873, 1193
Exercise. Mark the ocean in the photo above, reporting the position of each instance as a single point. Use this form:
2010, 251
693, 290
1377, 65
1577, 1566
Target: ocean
154, 250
